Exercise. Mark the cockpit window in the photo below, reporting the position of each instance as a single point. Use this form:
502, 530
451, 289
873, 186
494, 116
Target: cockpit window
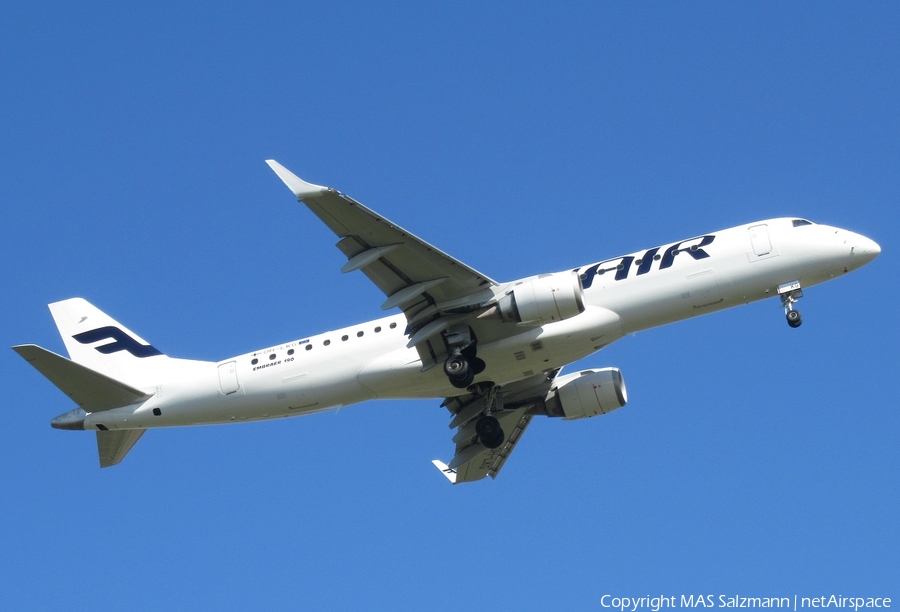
799, 222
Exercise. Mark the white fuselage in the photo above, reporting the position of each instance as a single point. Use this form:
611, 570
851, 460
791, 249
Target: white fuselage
622, 295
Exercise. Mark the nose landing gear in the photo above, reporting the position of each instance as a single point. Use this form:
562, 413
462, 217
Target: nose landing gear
790, 293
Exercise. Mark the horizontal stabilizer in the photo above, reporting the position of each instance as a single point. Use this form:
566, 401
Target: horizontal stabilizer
114, 445
91, 390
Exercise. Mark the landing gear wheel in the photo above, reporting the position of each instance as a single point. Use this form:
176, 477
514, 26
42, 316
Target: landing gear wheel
490, 434
789, 293
456, 366
463, 383
459, 371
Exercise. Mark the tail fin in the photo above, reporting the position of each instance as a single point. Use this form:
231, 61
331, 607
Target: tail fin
96, 340
93, 392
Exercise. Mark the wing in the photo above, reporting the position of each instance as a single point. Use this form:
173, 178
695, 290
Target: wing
474, 461
423, 281
407, 269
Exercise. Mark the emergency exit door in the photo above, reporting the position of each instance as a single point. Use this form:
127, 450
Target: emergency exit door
759, 238
228, 380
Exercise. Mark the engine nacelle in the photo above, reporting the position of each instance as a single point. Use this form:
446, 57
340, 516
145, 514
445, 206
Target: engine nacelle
544, 299
586, 394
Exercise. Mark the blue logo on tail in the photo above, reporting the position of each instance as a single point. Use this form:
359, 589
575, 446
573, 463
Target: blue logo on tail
123, 342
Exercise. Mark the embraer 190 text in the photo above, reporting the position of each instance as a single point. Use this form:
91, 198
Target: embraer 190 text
493, 350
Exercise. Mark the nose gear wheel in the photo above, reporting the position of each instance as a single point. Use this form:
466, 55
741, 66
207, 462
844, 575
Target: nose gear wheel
790, 293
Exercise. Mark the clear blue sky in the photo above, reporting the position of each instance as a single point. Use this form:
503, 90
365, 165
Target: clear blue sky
752, 459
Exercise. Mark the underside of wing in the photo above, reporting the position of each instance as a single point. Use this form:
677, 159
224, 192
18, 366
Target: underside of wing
433, 289
406, 268
512, 406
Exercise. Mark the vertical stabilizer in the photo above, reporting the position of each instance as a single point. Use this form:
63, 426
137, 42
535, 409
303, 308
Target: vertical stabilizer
96, 340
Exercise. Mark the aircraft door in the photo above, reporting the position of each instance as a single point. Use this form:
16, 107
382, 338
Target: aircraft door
759, 238
228, 380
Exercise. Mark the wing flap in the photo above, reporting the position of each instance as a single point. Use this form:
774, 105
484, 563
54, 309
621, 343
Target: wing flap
91, 390
472, 460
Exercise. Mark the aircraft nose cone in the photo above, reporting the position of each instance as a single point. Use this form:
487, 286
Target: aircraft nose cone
866, 249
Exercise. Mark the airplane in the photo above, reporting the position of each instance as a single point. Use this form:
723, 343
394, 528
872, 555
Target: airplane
493, 350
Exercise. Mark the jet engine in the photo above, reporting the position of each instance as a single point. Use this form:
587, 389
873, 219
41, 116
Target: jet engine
544, 299
586, 394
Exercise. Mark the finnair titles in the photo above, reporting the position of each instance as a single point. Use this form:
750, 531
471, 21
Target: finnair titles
494, 351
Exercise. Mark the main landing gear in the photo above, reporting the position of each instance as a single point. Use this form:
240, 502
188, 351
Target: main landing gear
487, 427
790, 293
459, 371
490, 434
462, 365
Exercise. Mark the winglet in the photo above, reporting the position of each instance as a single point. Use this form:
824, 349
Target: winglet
445, 470
301, 188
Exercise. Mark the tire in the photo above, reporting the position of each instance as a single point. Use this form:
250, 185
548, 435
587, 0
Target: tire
793, 318
490, 434
459, 371
462, 383
456, 367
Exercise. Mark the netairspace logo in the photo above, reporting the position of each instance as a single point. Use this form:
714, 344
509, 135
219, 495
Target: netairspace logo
795, 602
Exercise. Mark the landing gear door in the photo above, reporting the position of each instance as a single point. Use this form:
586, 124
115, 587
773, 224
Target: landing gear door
228, 380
